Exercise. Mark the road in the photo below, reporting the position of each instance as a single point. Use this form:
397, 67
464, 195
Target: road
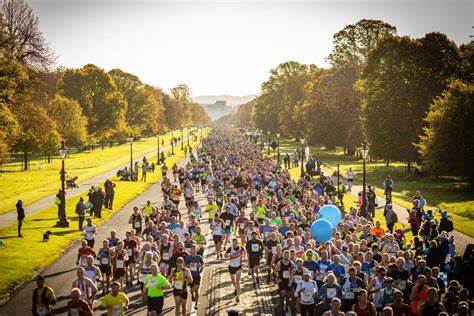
11, 217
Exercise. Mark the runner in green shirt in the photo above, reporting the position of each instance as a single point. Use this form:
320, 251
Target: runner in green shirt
153, 292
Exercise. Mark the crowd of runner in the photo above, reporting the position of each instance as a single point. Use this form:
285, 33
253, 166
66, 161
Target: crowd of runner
260, 223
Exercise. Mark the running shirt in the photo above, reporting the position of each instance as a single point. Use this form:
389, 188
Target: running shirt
194, 263
235, 256
90, 231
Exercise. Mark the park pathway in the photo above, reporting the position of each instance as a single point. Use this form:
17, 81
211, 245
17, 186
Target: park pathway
11, 217
216, 292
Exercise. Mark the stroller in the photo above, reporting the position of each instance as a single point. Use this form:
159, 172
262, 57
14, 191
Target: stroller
71, 183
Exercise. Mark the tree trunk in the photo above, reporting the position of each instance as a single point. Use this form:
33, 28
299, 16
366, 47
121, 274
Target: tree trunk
387, 163
408, 167
25, 158
49, 158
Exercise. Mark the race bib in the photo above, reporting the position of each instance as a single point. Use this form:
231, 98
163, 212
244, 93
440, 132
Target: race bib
178, 285
119, 264
41, 311
242, 225
349, 295
152, 282
286, 274
194, 267
306, 297
142, 278
227, 222
104, 260
331, 293
274, 250
73, 312
116, 310
255, 247
129, 252
298, 278
89, 236
166, 256
266, 234
137, 224
402, 284
83, 262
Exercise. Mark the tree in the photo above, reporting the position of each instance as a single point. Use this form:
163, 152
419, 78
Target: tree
181, 93
72, 124
28, 44
35, 128
353, 43
97, 94
400, 80
140, 107
447, 146
156, 96
275, 108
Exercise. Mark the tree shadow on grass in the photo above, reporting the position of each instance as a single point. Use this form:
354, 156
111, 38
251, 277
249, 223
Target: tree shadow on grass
65, 232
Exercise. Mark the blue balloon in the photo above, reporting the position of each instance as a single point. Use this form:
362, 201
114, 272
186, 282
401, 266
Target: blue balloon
321, 230
330, 213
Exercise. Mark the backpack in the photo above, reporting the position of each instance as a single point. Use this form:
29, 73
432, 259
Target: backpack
394, 217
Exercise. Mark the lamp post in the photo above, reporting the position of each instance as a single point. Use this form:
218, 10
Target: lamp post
189, 134
364, 151
268, 143
182, 139
131, 153
158, 162
302, 156
278, 141
63, 221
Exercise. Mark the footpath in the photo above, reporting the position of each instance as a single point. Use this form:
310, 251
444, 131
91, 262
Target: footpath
11, 217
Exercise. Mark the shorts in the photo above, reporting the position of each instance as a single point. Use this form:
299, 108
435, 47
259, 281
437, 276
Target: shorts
181, 293
350, 180
138, 230
254, 261
164, 265
234, 270
227, 231
253, 198
105, 269
196, 280
220, 203
119, 273
187, 198
130, 261
217, 239
284, 285
90, 243
155, 304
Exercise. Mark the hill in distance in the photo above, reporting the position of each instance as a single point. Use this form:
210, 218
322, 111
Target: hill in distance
231, 99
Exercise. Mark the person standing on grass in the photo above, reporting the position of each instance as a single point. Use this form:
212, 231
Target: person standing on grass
391, 217
81, 211
388, 185
109, 193
59, 200
144, 171
20, 216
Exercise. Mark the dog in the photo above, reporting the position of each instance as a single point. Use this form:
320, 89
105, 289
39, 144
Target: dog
46, 236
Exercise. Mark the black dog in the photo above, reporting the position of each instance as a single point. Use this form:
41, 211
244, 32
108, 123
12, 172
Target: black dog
46, 236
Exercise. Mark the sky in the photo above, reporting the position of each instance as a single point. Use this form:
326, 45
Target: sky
225, 46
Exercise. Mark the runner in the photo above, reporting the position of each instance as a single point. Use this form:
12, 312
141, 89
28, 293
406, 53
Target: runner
136, 219
116, 302
236, 254
254, 249
43, 298
83, 252
195, 263
86, 285
153, 292
77, 306
180, 277
89, 232
105, 256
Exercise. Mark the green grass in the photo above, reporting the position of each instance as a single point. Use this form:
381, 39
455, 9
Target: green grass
446, 193
43, 178
21, 256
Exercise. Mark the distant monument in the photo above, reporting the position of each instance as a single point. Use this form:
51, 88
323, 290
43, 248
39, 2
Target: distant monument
218, 109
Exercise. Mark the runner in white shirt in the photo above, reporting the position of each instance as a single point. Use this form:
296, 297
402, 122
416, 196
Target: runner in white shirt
236, 255
305, 292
